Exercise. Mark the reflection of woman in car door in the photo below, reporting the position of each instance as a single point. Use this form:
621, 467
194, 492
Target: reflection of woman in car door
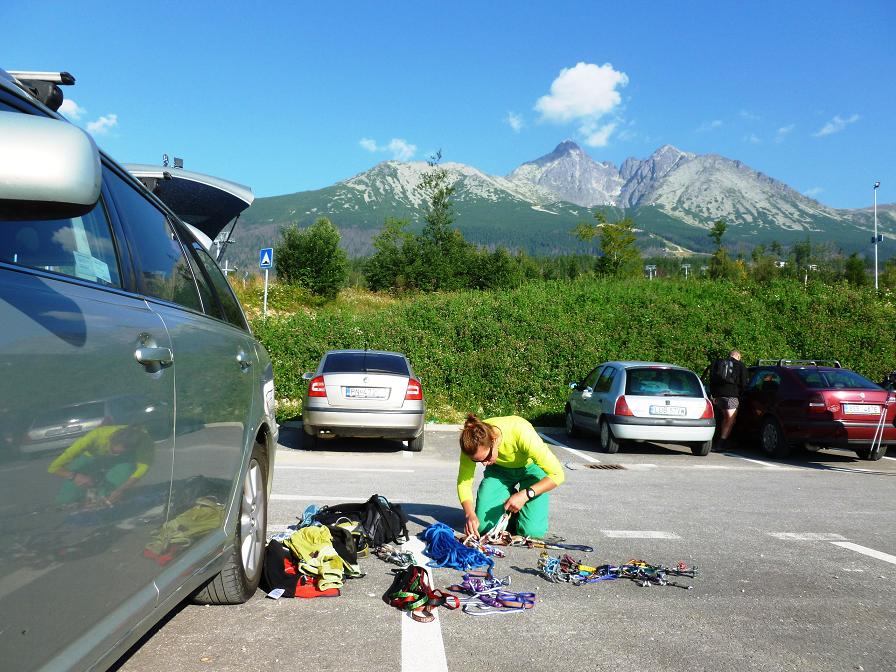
102, 464
519, 472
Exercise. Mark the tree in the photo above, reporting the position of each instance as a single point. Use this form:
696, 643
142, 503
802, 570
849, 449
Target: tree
717, 231
387, 267
619, 254
720, 264
312, 258
854, 271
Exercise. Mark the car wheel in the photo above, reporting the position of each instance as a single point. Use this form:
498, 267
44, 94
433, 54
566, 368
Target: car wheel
415, 445
871, 455
772, 439
608, 442
701, 448
571, 429
238, 579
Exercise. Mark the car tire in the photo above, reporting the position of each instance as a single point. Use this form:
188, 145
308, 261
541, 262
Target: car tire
871, 455
571, 428
239, 577
608, 442
772, 439
701, 448
415, 445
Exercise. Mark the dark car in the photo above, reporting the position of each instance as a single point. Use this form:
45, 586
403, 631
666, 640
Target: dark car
814, 405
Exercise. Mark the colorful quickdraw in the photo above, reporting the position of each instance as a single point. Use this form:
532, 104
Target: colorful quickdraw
566, 569
483, 596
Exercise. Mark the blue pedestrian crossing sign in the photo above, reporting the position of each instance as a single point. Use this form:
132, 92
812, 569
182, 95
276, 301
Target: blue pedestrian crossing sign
266, 257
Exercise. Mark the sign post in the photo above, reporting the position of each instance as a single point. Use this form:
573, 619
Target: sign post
265, 261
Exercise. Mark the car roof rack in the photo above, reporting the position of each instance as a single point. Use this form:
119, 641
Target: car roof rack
44, 85
835, 363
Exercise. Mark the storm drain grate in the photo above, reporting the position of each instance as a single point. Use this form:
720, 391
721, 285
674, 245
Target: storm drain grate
605, 466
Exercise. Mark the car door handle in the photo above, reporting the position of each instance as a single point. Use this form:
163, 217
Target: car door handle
152, 355
244, 360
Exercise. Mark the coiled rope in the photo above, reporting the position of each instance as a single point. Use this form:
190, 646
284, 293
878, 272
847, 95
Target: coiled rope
446, 551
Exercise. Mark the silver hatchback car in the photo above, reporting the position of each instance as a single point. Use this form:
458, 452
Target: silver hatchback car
642, 401
118, 503
364, 394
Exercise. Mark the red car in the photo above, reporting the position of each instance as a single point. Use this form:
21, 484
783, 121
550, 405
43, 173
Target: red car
816, 405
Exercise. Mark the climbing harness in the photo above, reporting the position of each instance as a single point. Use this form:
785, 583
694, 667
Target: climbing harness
446, 551
566, 569
411, 592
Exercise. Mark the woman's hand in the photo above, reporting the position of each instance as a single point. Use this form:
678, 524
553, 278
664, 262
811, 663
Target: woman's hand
82, 480
516, 501
472, 526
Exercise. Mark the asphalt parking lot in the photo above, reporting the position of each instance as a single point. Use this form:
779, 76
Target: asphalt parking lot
797, 565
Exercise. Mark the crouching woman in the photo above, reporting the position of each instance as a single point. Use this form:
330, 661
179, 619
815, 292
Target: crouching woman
519, 472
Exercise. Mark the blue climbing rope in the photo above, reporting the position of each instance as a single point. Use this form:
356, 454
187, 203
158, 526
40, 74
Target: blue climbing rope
446, 551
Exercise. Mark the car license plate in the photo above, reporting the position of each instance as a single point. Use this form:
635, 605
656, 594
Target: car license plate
668, 410
861, 409
366, 392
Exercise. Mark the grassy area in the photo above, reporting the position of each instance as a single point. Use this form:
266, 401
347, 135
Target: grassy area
515, 351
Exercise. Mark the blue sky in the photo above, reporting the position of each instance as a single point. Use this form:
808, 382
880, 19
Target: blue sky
286, 97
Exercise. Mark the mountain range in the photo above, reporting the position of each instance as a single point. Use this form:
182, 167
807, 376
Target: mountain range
673, 197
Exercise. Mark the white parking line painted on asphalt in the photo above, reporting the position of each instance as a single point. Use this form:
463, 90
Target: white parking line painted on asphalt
807, 536
575, 452
709, 466
638, 534
887, 457
385, 471
767, 465
315, 498
422, 647
886, 557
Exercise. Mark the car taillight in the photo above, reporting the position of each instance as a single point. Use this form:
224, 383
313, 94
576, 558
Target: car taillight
817, 403
622, 407
415, 392
316, 387
708, 412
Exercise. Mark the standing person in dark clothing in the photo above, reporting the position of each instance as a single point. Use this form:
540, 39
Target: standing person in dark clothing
728, 379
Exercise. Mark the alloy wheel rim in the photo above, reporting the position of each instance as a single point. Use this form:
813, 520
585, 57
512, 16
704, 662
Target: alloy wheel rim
252, 518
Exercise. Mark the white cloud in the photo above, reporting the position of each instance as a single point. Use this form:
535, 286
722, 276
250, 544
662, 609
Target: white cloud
749, 116
813, 192
710, 125
753, 139
598, 137
836, 125
400, 149
515, 121
783, 132
584, 94
71, 109
103, 125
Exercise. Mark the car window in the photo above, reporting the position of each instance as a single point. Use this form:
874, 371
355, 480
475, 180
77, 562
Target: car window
605, 380
591, 378
163, 270
765, 380
835, 379
209, 301
232, 311
81, 247
652, 381
368, 362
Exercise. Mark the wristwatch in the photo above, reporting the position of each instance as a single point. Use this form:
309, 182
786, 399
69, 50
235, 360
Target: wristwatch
530, 493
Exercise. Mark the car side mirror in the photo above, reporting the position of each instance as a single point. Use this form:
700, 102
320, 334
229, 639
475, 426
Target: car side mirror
308, 375
49, 168
574, 386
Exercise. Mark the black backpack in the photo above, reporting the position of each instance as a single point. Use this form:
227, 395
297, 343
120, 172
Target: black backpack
723, 371
382, 521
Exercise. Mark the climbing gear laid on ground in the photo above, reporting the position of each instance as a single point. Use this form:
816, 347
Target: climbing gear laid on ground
566, 569
313, 548
446, 551
556, 546
410, 592
382, 521
388, 553
281, 571
483, 595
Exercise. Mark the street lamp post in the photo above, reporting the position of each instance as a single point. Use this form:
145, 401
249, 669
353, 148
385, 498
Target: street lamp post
876, 240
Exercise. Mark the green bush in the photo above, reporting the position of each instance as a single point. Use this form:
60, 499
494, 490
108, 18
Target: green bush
515, 351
